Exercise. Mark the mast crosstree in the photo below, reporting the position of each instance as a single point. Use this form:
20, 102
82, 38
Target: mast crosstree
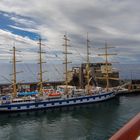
88, 65
40, 68
107, 68
14, 74
66, 62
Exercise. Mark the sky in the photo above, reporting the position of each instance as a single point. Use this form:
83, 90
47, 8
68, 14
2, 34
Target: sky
116, 22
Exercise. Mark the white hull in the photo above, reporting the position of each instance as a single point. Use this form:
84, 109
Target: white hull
53, 103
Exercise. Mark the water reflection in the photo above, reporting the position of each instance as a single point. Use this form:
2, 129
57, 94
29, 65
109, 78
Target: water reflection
93, 121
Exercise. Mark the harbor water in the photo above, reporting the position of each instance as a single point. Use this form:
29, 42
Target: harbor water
88, 122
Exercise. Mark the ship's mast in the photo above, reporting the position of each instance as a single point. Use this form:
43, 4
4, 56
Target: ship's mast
88, 64
14, 80
14, 73
107, 71
106, 64
66, 61
40, 68
88, 49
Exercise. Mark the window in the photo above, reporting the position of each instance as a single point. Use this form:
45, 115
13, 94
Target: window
18, 107
9, 107
27, 106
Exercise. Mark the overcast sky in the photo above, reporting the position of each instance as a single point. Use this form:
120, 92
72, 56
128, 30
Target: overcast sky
114, 21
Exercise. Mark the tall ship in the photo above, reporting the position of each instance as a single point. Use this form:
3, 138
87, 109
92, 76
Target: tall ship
64, 95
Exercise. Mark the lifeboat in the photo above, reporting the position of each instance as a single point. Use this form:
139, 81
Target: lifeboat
46, 90
54, 95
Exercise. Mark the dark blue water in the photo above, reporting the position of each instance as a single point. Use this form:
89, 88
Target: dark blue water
91, 122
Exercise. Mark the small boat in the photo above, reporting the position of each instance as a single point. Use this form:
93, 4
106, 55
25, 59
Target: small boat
54, 95
29, 93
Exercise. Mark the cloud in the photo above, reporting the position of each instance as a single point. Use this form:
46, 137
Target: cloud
114, 21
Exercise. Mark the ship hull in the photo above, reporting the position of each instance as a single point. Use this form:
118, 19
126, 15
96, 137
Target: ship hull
57, 103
